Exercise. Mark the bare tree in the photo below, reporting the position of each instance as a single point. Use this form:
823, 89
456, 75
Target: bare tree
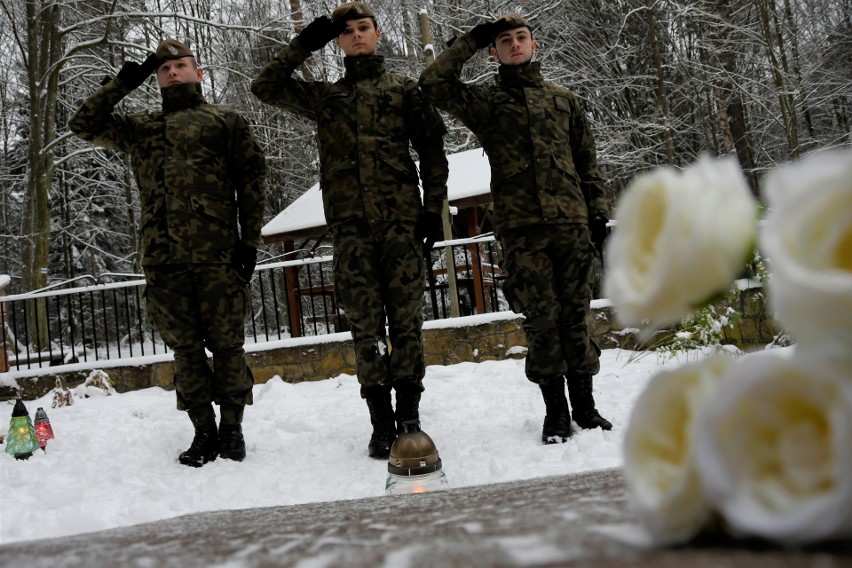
661, 81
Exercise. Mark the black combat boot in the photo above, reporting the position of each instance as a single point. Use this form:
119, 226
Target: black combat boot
381, 416
204, 447
232, 446
583, 403
407, 402
557, 418
205, 444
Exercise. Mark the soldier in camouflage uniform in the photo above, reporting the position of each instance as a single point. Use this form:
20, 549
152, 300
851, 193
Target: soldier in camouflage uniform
201, 184
365, 122
550, 209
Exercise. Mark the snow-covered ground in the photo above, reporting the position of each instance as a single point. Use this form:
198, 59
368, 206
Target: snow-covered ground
114, 459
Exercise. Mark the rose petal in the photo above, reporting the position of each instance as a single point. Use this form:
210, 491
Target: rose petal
681, 238
659, 470
774, 448
807, 237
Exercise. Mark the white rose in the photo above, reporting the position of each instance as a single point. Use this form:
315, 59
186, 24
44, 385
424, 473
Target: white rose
807, 237
659, 469
681, 238
774, 448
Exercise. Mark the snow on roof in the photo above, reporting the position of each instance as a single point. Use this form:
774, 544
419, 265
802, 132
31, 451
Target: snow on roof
470, 176
4, 280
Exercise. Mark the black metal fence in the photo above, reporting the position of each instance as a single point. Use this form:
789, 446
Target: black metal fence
98, 320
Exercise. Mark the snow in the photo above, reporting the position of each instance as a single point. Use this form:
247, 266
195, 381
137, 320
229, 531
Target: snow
469, 176
113, 462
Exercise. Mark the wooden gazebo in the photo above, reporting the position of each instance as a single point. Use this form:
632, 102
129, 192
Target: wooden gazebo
468, 189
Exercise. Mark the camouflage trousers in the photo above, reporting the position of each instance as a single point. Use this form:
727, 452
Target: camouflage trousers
549, 270
378, 278
198, 306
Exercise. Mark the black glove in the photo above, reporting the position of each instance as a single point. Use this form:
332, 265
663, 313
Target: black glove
599, 231
319, 32
483, 34
133, 74
429, 226
246, 260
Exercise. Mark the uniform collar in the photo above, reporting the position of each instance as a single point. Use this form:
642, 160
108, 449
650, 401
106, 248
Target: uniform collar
523, 75
363, 67
179, 97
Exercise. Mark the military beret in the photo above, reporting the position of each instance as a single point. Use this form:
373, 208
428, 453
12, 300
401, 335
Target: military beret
173, 49
351, 11
510, 22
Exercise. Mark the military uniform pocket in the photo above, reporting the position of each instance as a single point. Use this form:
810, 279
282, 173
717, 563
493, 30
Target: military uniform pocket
213, 139
565, 104
223, 213
403, 171
510, 167
330, 169
566, 165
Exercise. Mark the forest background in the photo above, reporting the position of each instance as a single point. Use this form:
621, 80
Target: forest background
661, 81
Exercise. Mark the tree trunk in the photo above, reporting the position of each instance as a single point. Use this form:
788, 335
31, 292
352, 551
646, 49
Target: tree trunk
5, 208
777, 62
43, 52
133, 237
412, 53
299, 21
662, 95
731, 108
800, 84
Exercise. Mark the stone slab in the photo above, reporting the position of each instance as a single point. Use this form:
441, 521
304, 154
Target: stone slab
580, 520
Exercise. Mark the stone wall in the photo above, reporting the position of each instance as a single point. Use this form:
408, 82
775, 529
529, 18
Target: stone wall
490, 337
757, 327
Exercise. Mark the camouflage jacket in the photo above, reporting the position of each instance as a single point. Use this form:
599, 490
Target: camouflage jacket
365, 122
541, 151
199, 169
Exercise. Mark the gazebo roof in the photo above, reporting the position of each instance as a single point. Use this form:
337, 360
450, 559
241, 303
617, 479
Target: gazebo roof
468, 185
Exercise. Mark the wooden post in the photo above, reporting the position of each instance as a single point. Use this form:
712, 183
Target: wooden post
478, 299
291, 284
452, 287
4, 358
425, 30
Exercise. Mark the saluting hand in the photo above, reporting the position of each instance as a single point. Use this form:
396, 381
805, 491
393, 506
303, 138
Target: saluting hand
133, 74
319, 32
483, 34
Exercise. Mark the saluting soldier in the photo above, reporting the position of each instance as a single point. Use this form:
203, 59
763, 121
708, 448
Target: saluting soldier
201, 185
379, 225
550, 210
